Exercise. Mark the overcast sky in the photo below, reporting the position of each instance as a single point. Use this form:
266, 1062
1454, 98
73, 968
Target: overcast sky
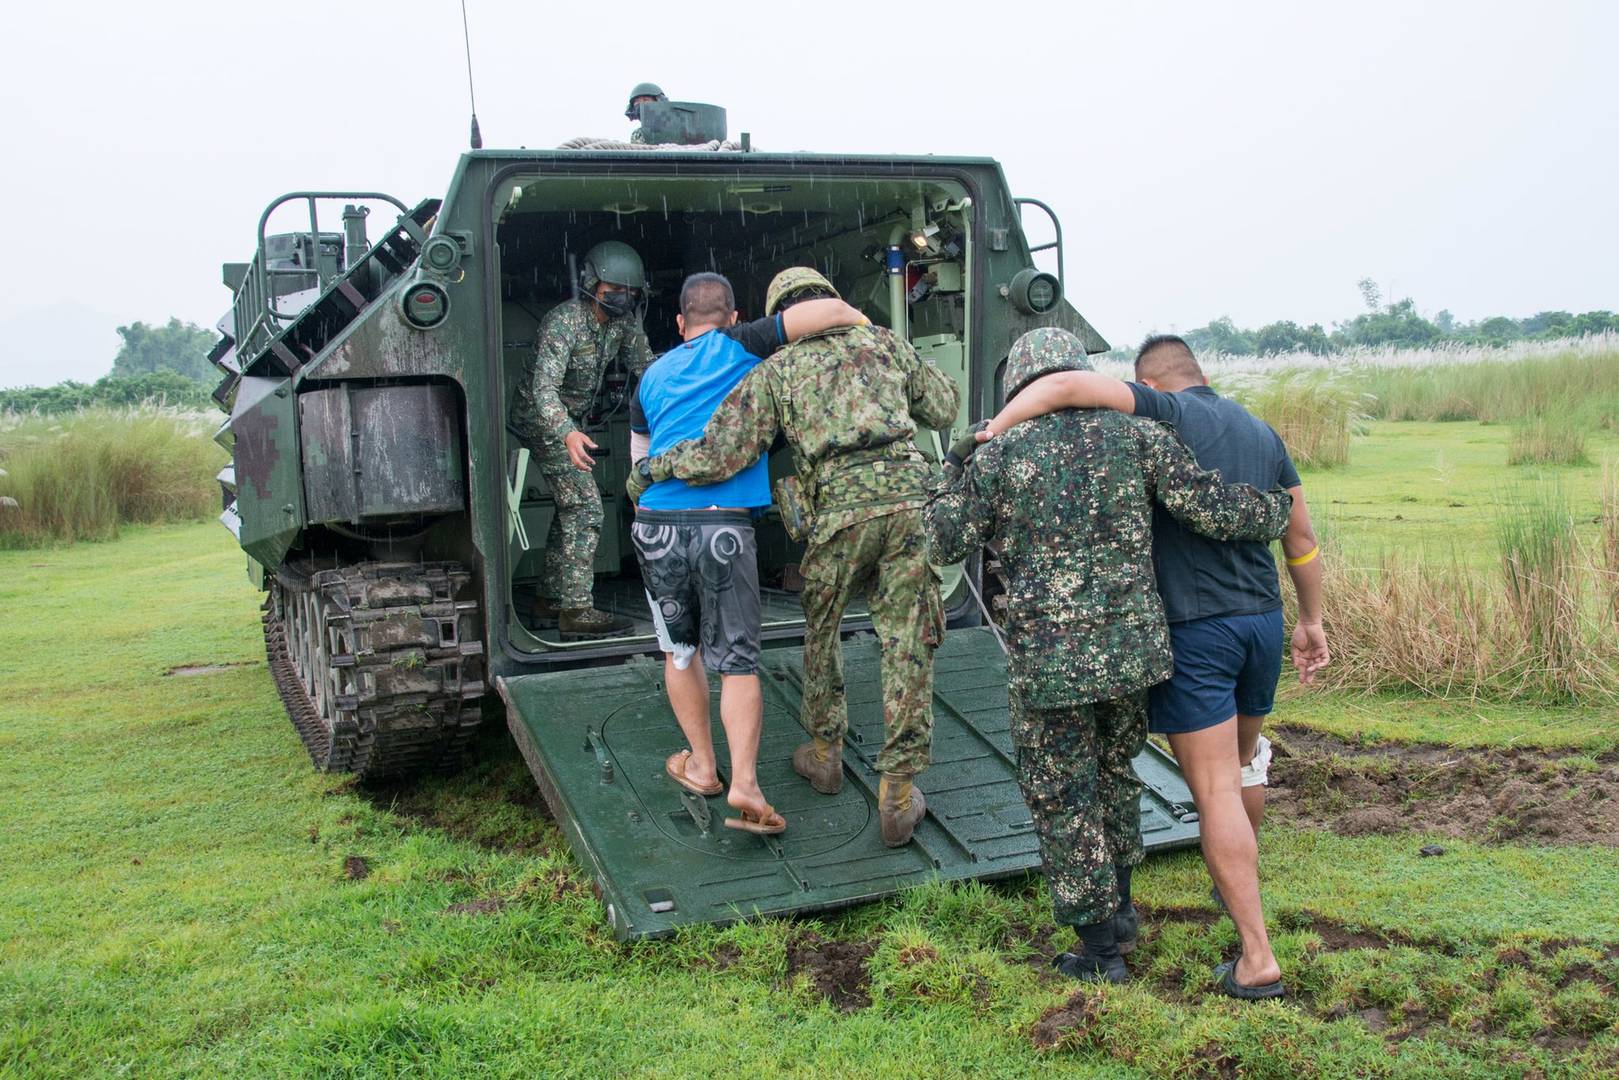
1252, 160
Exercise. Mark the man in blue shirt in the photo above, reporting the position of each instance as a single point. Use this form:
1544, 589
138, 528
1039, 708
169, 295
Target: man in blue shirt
1223, 604
696, 546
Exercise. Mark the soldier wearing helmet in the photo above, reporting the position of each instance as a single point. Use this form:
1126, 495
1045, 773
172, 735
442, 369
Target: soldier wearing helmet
1068, 497
849, 403
579, 340
643, 93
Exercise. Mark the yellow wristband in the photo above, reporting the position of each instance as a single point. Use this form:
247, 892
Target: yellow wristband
1306, 557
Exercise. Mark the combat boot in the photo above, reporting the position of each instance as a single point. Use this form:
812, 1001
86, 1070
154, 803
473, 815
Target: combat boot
821, 763
587, 623
1126, 923
1126, 929
545, 613
1098, 960
899, 807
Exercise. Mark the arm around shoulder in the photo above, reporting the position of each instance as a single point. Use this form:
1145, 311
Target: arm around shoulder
1202, 501
816, 316
1064, 390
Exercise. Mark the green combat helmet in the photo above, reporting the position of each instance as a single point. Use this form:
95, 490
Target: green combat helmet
795, 279
1040, 352
646, 89
614, 262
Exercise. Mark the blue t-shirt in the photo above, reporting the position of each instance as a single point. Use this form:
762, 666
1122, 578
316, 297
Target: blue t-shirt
678, 394
1199, 577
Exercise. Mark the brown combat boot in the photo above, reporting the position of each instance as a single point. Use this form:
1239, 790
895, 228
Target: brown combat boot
821, 763
545, 613
900, 807
587, 623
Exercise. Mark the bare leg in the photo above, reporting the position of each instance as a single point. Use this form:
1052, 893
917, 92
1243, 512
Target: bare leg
742, 712
1208, 760
688, 696
1253, 798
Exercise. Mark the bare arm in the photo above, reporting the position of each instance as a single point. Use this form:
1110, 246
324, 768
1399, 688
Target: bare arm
815, 316
640, 445
1310, 652
1062, 390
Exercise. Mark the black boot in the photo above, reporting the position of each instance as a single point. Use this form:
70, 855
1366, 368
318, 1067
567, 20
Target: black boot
1100, 960
1126, 925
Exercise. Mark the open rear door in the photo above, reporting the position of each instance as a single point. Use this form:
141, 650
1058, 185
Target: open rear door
596, 740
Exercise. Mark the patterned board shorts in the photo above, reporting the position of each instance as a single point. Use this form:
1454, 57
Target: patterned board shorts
701, 571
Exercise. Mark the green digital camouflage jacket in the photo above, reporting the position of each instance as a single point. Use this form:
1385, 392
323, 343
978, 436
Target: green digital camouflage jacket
849, 403
570, 361
1069, 499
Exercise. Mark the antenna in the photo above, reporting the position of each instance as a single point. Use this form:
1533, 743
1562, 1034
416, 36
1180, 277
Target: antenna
466, 38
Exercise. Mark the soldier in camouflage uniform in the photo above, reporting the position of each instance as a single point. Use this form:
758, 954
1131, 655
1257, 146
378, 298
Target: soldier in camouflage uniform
578, 340
1069, 499
642, 93
849, 403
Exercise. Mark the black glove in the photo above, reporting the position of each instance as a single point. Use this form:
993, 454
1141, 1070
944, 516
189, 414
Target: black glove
962, 449
639, 479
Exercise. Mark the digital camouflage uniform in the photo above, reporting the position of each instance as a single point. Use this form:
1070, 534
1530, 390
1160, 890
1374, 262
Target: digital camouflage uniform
570, 362
849, 403
1069, 497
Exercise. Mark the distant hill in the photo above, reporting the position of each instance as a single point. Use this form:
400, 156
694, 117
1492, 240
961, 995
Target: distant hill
42, 346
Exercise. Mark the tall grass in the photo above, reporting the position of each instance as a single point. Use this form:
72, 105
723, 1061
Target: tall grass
1573, 377
1577, 385
1314, 412
1558, 439
1539, 629
82, 475
1609, 544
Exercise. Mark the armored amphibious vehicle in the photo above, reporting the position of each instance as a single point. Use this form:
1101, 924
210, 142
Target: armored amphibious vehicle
393, 521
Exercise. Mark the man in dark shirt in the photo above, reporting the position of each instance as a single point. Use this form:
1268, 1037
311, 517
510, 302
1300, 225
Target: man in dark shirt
1224, 607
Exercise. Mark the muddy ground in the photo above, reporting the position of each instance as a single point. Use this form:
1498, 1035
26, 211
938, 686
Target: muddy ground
1489, 796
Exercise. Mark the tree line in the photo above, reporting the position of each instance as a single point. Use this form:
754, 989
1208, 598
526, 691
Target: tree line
1395, 323
167, 363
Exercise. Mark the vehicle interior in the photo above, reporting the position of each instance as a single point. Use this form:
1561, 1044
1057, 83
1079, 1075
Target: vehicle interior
897, 248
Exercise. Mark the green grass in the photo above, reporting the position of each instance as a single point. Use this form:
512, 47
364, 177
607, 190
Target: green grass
175, 902
1435, 489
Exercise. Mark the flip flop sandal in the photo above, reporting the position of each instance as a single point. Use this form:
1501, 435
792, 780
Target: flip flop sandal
678, 775
1228, 985
766, 824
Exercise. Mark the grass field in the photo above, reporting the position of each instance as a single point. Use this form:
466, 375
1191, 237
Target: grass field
184, 896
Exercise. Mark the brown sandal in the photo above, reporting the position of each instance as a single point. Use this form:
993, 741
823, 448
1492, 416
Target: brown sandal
675, 766
766, 824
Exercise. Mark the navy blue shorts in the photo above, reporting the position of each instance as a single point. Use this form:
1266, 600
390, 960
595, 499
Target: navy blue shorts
1224, 665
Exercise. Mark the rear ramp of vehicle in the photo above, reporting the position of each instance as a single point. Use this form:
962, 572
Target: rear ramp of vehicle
596, 740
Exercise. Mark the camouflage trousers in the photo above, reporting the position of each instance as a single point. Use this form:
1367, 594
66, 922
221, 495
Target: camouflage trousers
887, 558
1084, 795
567, 565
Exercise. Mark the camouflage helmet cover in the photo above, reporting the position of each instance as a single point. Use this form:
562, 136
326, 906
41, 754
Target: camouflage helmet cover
614, 262
632, 111
1040, 352
791, 280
